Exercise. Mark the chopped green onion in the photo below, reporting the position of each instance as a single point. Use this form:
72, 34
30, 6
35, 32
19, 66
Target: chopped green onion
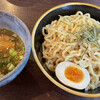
11, 51
16, 57
4, 30
12, 59
11, 67
21, 57
24, 48
0, 54
14, 40
5, 71
14, 53
3, 63
21, 52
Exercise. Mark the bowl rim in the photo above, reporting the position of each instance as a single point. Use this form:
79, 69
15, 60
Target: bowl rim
26, 55
67, 89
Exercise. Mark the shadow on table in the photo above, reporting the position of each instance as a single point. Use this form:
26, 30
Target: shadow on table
23, 3
27, 3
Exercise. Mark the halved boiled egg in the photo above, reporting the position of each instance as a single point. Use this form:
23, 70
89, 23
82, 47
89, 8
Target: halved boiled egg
72, 75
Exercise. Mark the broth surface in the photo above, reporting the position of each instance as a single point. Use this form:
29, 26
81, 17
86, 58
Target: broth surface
12, 51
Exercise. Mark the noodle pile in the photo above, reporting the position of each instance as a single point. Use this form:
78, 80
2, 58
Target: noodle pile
74, 38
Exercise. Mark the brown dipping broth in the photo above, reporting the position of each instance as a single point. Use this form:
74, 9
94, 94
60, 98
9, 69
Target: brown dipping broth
12, 50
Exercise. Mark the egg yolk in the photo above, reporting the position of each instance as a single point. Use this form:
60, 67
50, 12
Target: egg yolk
74, 74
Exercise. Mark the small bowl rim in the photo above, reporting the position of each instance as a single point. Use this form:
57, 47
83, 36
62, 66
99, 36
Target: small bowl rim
67, 89
26, 55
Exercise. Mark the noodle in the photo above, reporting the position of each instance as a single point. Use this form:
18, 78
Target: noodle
74, 38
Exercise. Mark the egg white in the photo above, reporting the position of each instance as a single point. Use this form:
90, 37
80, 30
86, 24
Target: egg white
60, 73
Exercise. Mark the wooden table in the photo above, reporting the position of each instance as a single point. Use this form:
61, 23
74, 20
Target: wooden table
31, 84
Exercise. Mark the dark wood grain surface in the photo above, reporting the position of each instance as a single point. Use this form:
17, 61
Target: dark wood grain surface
31, 84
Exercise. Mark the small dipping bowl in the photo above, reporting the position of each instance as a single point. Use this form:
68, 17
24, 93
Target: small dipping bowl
14, 24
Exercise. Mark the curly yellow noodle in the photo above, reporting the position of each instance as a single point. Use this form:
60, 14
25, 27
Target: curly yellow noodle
60, 45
